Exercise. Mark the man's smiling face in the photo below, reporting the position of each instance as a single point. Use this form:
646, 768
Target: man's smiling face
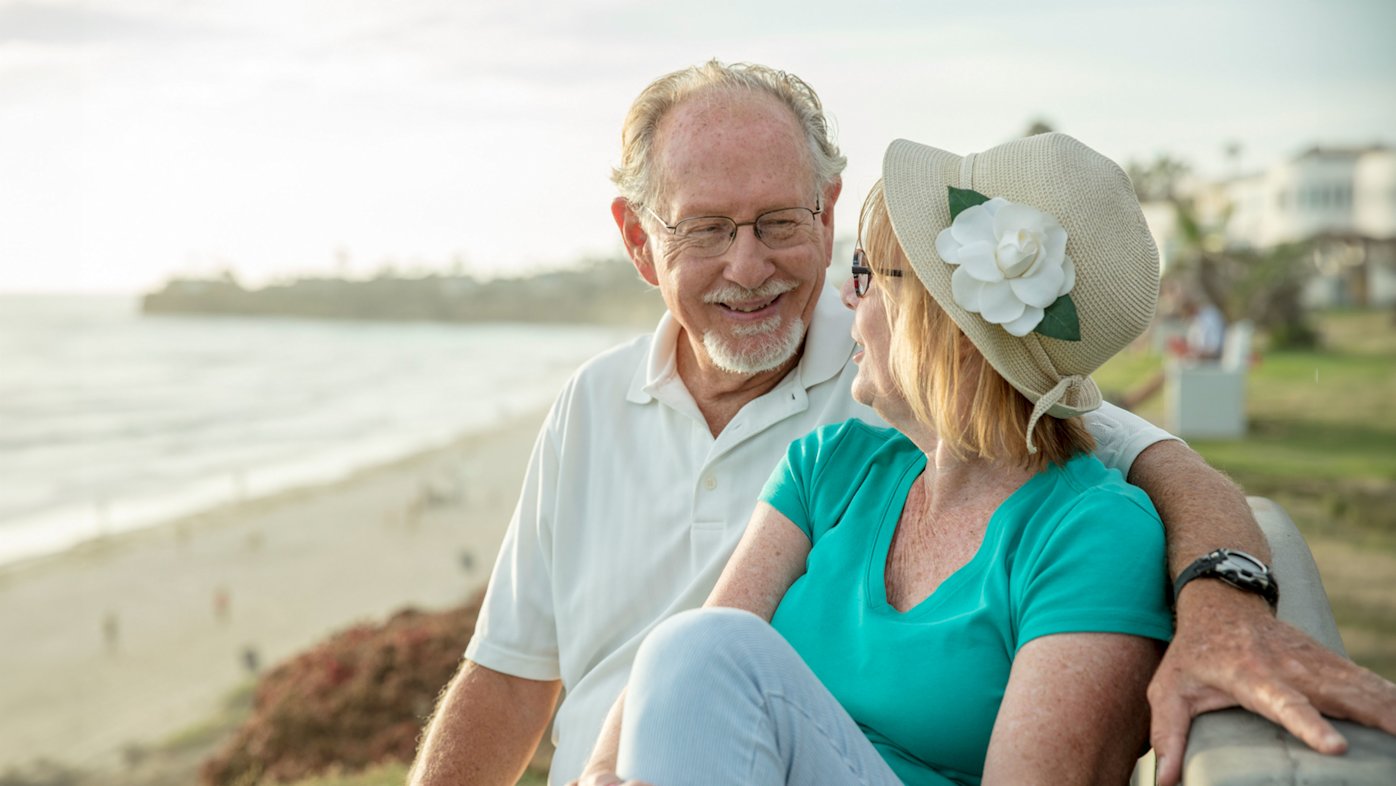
737, 155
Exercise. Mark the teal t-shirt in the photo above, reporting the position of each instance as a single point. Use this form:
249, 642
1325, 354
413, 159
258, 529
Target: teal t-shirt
1075, 549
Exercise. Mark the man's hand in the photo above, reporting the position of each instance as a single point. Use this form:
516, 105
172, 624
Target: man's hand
1230, 650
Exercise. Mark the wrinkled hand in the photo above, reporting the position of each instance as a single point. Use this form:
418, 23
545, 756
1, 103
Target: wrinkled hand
1228, 651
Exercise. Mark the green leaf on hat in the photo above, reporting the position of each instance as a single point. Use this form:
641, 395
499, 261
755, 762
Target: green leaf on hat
1059, 321
962, 199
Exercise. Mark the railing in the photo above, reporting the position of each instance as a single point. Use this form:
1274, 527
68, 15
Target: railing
1238, 748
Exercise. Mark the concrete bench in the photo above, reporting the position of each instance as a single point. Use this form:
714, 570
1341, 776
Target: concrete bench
1208, 398
1238, 748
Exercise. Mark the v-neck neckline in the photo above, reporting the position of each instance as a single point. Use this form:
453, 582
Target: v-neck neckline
877, 562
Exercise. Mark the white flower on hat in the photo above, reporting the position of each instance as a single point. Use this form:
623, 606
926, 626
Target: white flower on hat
1011, 262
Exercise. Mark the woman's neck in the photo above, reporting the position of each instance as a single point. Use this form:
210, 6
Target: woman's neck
951, 479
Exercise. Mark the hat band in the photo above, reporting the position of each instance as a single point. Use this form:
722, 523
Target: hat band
967, 171
1050, 398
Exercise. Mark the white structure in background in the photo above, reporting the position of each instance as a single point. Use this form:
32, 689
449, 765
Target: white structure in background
1343, 197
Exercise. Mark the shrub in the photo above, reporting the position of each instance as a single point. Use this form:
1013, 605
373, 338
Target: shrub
358, 699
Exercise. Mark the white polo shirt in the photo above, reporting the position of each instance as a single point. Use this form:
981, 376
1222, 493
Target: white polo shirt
630, 509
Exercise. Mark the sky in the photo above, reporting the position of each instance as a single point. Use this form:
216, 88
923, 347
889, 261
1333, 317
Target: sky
143, 139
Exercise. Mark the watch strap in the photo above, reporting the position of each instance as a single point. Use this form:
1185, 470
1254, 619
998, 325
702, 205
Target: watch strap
1262, 584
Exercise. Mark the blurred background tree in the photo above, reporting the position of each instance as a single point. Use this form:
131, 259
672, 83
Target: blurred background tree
1039, 125
1261, 285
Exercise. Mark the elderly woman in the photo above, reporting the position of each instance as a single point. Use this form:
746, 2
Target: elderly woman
973, 595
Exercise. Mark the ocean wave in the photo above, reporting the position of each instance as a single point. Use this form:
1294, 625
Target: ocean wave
111, 422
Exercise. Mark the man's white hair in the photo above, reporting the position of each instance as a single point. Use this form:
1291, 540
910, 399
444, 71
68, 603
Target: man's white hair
635, 177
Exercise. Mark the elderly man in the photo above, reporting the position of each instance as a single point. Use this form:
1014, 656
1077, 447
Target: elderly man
650, 462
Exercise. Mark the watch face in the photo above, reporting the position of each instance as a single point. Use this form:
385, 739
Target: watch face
1242, 562
1236, 568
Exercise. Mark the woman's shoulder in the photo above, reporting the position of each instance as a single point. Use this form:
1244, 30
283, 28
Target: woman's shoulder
852, 437
821, 470
855, 430
1085, 492
1088, 476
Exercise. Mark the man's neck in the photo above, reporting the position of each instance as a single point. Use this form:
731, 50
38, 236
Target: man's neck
721, 394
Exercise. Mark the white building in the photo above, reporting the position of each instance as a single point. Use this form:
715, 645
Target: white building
1345, 198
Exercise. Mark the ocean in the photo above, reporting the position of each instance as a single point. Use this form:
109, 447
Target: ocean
112, 421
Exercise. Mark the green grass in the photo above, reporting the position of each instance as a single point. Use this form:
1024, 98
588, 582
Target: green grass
396, 775
385, 775
1327, 415
1321, 441
202, 736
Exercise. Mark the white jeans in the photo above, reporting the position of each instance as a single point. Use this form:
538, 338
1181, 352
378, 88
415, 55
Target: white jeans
717, 696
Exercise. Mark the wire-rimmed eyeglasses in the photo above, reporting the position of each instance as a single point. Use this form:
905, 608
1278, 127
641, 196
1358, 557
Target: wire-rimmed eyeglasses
863, 275
708, 236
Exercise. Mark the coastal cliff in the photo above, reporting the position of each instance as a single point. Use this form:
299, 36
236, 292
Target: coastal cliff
604, 292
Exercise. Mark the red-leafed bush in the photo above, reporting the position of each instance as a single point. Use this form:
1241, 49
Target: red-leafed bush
357, 699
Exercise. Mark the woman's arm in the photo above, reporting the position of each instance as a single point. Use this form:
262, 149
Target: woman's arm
1074, 711
770, 556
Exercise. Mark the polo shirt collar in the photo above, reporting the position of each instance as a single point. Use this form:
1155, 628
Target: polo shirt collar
829, 342
828, 345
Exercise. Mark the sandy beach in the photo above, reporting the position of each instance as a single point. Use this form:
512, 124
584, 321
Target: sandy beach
132, 639
123, 643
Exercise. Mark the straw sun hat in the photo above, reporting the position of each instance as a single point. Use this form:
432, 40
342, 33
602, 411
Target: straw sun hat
1050, 276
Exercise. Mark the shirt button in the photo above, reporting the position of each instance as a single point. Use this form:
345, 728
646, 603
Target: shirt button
710, 483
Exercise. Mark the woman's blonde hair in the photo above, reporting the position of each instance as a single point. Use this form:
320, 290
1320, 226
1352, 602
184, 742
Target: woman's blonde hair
935, 367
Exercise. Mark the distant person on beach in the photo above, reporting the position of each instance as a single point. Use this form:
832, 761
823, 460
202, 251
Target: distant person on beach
1205, 333
221, 602
652, 459
910, 594
111, 631
1202, 340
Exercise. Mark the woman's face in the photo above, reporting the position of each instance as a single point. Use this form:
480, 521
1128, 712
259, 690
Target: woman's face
874, 386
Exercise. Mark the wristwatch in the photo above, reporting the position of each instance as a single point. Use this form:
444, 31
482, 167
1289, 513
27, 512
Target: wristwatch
1237, 568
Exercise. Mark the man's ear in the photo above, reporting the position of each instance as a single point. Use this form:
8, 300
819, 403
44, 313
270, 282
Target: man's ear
636, 240
831, 197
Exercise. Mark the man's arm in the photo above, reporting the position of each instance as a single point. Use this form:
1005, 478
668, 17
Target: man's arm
487, 723
1201, 508
484, 730
1228, 648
